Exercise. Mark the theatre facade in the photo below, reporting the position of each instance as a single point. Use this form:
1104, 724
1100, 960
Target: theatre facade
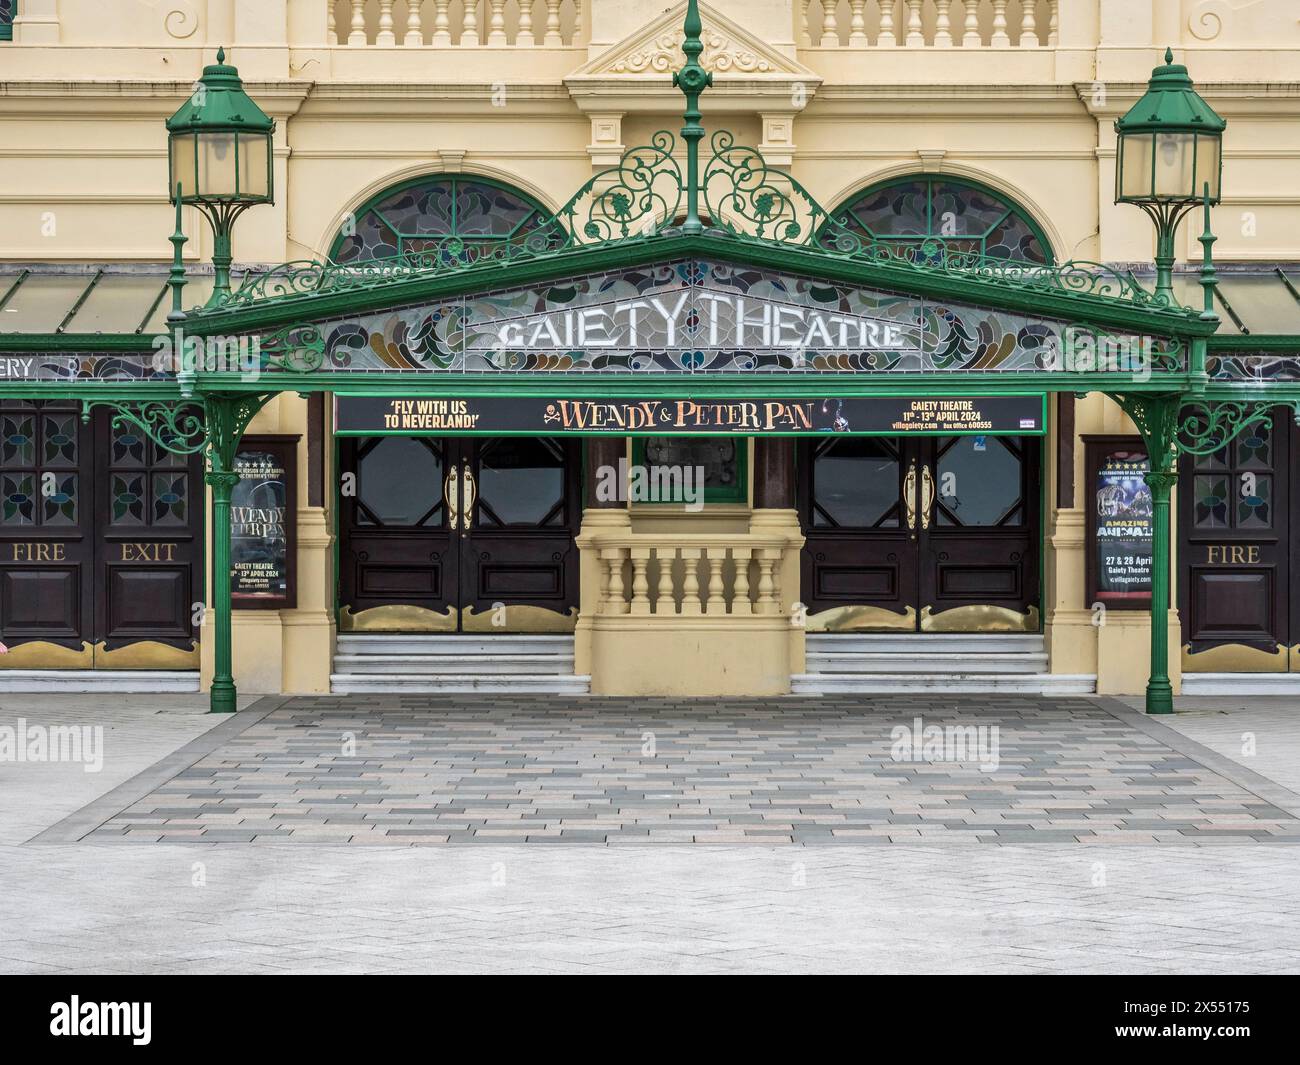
712, 349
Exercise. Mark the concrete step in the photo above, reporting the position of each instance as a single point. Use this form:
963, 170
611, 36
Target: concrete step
888, 683
922, 662
926, 643
133, 681
1241, 684
463, 665
442, 644
511, 684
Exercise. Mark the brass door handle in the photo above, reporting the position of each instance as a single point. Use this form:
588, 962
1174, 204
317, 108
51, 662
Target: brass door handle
471, 495
927, 496
909, 495
451, 496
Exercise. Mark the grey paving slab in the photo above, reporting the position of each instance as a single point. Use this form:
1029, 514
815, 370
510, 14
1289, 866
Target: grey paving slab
452, 771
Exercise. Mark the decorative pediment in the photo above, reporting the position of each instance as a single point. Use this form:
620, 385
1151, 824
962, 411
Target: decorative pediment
729, 49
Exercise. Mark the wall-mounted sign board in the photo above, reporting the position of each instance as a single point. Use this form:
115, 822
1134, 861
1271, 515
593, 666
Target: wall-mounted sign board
1119, 527
555, 414
263, 559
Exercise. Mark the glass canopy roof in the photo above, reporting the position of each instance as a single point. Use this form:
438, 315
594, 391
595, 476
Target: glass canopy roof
133, 299
118, 300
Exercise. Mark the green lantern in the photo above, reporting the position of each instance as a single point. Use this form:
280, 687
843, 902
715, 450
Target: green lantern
220, 158
1170, 157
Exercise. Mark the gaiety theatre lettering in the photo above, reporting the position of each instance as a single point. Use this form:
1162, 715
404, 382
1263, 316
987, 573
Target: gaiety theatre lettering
729, 321
735, 415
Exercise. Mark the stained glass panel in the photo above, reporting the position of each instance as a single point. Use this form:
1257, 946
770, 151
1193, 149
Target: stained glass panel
17, 499
18, 446
170, 498
419, 216
1211, 501
964, 216
59, 499
60, 440
1255, 502
128, 498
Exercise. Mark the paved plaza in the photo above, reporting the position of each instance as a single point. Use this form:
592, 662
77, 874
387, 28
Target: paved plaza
702, 836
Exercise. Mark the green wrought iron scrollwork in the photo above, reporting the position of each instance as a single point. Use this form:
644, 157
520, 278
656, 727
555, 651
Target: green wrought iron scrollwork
1204, 426
293, 349
177, 427
632, 200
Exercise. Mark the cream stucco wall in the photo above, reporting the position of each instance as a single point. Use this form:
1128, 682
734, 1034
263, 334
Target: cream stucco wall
85, 86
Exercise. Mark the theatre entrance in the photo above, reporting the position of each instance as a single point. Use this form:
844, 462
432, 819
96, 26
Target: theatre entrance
920, 534
458, 534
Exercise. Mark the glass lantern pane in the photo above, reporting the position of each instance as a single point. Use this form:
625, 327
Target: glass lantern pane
217, 165
183, 164
1207, 165
1135, 176
254, 177
1175, 161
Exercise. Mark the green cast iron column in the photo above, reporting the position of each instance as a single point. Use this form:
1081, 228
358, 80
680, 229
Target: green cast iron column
1160, 693
222, 482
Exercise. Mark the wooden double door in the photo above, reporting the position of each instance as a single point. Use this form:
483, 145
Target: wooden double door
1239, 545
921, 533
459, 534
100, 543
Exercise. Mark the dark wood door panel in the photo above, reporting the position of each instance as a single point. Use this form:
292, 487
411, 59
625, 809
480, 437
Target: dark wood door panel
47, 550
1237, 529
148, 603
41, 604
148, 541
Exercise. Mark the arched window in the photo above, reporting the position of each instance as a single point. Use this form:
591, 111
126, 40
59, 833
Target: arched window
962, 214
422, 215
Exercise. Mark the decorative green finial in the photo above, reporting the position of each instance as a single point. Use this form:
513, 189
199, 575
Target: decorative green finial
1209, 276
692, 79
1169, 56
221, 54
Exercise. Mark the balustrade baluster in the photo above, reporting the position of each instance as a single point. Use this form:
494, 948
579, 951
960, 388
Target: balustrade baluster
971, 32
915, 27
857, 22
615, 603
441, 22
740, 603
1000, 38
553, 38
805, 34
386, 38
331, 27
414, 27
1053, 23
524, 38
776, 553
716, 600
577, 22
830, 24
942, 24
497, 22
886, 39
469, 25
357, 36
691, 581
666, 602
766, 603
1028, 24
640, 585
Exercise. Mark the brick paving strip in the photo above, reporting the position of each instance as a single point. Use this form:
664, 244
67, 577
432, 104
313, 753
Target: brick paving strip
425, 770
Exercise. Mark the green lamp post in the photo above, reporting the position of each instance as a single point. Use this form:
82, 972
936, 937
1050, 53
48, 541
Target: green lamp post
220, 159
1170, 158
